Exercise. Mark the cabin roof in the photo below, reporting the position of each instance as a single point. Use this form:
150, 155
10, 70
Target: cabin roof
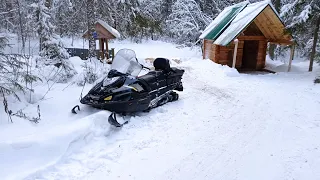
222, 21
104, 30
109, 28
233, 20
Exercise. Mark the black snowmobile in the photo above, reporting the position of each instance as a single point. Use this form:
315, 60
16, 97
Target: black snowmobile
124, 92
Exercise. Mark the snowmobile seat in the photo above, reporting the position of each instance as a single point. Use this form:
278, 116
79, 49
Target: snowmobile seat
154, 79
162, 64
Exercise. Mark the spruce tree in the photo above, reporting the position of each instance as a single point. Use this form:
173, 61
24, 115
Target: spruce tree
303, 19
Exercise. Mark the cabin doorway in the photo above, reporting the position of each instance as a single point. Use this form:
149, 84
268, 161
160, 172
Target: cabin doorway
250, 54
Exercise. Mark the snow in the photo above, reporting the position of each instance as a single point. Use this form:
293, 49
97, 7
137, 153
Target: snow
226, 125
245, 17
153, 50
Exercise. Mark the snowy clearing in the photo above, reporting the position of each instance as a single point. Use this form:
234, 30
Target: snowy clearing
225, 125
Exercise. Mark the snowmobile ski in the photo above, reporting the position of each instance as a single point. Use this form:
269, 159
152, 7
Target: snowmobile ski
74, 109
113, 120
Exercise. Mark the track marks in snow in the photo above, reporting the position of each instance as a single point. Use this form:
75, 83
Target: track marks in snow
246, 128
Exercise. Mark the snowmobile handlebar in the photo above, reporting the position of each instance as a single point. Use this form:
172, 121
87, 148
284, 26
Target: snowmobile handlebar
145, 67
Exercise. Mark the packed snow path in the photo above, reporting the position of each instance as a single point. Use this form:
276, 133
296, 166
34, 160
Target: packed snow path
244, 127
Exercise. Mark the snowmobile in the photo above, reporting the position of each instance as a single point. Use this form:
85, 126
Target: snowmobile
124, 92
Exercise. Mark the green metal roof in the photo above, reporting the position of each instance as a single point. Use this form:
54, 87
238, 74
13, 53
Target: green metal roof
233, 20
222, 21
242, 20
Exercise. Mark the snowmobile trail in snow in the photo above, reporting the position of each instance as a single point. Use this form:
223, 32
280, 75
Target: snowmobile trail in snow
243, 128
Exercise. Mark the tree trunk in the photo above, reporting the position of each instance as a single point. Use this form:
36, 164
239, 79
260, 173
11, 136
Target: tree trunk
47, 3
272, 47
315, 40
22, 34
91, 18
10, 15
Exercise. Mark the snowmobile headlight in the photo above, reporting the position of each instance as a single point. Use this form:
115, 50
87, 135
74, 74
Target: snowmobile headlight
108, 98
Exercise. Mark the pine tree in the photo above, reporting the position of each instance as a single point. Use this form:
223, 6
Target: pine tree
52, 51
13, 75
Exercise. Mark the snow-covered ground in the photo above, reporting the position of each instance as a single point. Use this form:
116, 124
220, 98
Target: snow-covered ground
225, 125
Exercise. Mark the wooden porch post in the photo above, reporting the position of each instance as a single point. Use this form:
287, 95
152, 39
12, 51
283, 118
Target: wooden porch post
236, 41
102, 48
107, 49
291, 57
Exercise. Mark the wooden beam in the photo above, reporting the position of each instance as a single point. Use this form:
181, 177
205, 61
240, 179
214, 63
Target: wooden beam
281, 41
291, 57
236, 41
260, 24
243, 38
204, 49
107, 49
270, 26
101, 48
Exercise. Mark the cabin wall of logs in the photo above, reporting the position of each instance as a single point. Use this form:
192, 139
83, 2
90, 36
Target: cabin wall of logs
224, 54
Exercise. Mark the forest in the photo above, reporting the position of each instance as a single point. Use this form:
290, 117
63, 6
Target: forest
177, 21
180, 21
159, 108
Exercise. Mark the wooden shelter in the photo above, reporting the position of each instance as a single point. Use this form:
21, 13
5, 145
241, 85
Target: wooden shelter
103, 32
240, 34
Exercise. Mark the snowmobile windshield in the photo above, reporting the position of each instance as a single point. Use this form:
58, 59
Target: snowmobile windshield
125, 62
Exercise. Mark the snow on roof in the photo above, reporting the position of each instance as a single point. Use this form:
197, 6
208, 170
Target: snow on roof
109, 28
241, 21
228, 11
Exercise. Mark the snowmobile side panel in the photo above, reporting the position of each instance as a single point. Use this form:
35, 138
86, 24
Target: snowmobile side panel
124, 106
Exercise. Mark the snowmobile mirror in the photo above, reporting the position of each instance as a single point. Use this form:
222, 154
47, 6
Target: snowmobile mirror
145, 67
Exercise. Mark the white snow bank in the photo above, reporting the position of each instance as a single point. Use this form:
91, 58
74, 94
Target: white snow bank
154, 49
30, 153
208, 68
297, 66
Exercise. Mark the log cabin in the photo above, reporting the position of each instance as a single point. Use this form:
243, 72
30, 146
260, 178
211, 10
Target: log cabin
239, 35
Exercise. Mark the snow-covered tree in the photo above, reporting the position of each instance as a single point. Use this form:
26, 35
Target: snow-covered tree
14, 76
303, 19
52, 51
272, 47
186, 21
91, 19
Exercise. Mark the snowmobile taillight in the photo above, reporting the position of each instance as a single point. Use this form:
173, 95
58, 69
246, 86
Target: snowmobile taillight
108, 98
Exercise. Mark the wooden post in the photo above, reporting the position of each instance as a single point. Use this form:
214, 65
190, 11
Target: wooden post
112, 53
204, 49
291, 57
107, 49
236, 41
102, 48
